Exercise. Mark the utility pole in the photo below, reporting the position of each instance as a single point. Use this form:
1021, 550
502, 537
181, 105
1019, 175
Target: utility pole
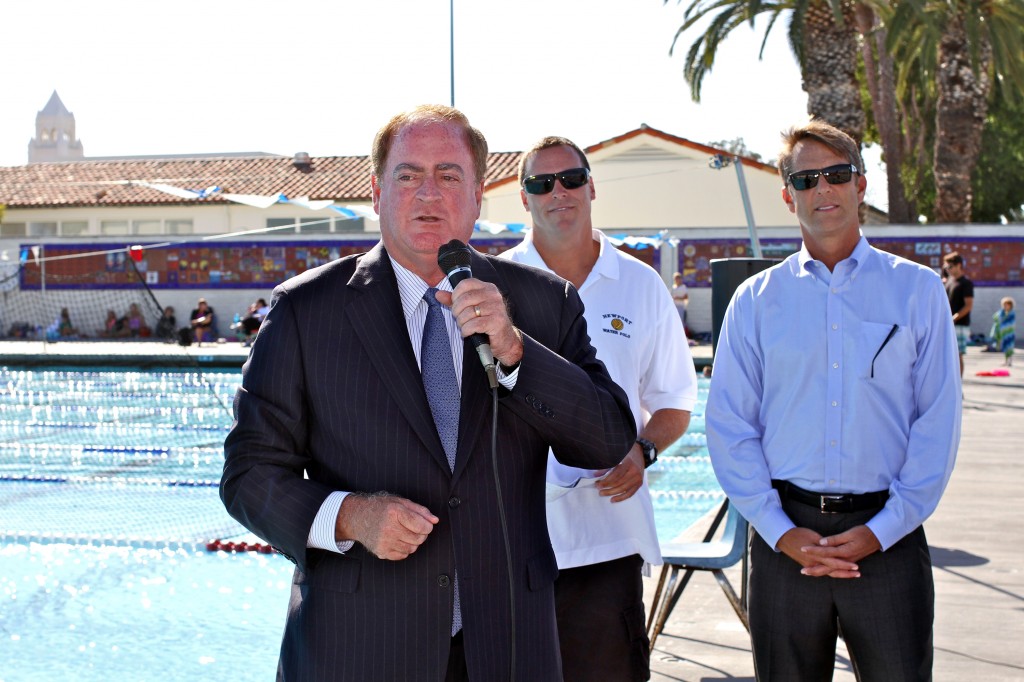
451, 47
720, 161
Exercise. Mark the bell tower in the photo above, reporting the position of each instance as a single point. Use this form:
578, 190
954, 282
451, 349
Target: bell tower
55, 134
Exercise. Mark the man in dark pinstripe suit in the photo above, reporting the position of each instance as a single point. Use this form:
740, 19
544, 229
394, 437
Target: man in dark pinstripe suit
335, 460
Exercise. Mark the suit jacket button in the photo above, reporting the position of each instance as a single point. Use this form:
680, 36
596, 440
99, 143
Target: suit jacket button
454, 502
443, 580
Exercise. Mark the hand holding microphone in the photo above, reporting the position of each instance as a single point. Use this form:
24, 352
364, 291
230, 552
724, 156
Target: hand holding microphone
479, 309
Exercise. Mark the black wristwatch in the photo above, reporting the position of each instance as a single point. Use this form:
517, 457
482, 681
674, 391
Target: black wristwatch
650, 451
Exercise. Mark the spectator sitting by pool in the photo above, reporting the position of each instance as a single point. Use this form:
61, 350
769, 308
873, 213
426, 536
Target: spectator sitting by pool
112, 327
201, 320
135, 323
65, 329
167, 325
20, 330
247, 327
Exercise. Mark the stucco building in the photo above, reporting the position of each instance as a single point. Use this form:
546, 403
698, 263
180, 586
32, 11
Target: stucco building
230, 226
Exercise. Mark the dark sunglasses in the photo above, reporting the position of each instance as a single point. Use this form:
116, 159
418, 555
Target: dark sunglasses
834, 175
574, 178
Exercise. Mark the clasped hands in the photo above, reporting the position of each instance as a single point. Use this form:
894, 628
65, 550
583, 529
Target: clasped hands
835, 556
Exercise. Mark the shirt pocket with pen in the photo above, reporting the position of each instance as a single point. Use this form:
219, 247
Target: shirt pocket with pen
884, 352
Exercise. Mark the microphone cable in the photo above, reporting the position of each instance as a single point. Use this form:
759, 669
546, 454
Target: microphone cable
504, 533
454, 259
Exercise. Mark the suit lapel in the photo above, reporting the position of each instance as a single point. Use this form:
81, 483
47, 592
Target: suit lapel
377, 318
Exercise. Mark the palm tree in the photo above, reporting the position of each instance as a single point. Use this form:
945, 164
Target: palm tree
821, 34
880, 77
951, 55
998, 192
958, 51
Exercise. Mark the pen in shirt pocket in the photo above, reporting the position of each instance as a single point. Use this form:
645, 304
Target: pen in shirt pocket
888, 336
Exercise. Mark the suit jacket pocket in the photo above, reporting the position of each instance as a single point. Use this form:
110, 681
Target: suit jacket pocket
541, 571
333, 572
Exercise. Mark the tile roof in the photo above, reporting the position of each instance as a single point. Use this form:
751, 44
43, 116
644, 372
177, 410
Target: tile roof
111, 182
700, 148
644, 130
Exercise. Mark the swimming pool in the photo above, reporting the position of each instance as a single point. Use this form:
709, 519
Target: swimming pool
114, 457
129, 613
108, 497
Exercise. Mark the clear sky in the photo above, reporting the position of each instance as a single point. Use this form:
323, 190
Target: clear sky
322, 76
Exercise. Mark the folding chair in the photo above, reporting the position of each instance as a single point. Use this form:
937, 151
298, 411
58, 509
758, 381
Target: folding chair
708, 555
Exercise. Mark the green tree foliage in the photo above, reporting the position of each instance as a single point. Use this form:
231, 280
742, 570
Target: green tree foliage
957, 57
938, 64
820, 33
998, 190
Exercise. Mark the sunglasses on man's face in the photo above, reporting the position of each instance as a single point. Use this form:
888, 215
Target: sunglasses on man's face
834, 175
574, 178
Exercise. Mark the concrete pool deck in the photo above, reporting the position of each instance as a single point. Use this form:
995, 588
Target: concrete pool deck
977, 541
976, 535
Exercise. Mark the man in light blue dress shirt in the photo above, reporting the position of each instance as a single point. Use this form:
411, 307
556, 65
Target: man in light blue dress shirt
833, 422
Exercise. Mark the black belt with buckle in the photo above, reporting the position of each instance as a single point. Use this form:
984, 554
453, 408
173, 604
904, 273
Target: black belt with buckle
831, 503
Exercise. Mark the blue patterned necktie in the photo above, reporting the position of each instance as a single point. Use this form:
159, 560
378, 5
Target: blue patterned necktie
442, 389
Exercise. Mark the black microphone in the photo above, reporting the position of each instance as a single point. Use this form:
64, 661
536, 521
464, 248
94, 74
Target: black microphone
453, 259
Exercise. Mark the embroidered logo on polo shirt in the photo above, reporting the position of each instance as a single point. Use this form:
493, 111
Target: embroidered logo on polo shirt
616, 324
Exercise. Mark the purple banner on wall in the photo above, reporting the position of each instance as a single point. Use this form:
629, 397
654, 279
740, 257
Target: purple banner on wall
989, 261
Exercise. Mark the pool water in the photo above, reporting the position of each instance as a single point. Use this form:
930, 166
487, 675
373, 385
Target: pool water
108, 492
129, 613
125, 457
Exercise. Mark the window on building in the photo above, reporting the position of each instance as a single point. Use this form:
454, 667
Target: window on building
74, 228
178, 226
42, 230
283, 225
348, 225
114, 227
12, 229
315, 225
304, 225
147, 227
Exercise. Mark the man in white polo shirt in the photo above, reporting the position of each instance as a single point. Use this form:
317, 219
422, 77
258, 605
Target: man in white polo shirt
602, 522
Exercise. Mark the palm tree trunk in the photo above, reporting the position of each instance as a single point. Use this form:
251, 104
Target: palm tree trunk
880, 79
830, 68
959, 119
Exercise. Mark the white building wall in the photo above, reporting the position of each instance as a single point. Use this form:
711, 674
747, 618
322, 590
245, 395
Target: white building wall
206, 219
647, 183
